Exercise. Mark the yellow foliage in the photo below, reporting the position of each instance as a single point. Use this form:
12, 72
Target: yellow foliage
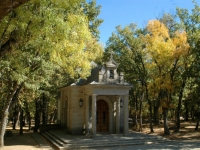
162, 51
158, 43
161, 47
180, 41
157, 29
76, 52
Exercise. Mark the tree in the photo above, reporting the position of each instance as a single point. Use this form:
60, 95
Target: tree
92, 11
36, 40
178, 72
190, 23
128, 47
164, 53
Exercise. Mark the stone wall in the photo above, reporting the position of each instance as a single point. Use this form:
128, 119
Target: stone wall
76, 117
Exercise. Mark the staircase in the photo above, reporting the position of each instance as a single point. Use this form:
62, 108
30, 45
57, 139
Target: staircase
63, 141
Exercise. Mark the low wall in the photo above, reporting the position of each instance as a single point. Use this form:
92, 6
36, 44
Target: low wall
46, 127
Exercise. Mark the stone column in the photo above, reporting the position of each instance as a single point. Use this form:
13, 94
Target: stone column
94, 96
125, 115
86, 114
118, 115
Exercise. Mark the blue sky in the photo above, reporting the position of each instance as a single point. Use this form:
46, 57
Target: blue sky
124, 12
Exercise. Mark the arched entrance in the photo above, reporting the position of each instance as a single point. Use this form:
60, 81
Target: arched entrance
102, 124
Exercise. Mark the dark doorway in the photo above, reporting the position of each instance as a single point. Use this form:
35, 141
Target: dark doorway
102, 116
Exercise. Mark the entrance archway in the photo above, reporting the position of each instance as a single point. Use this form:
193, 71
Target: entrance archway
102, 115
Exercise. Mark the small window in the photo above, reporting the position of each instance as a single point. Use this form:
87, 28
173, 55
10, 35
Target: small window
111, 74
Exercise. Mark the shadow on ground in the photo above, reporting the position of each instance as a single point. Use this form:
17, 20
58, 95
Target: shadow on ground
16, 139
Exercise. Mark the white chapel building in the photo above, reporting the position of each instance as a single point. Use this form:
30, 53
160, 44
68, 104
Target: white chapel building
96, 105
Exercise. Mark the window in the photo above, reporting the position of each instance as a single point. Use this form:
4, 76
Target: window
111, 74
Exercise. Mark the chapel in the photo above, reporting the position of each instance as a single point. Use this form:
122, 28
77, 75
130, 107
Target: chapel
98, 104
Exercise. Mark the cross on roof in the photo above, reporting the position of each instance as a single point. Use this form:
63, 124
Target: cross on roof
111, 55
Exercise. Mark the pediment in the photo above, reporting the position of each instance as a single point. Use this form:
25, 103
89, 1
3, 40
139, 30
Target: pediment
111, 63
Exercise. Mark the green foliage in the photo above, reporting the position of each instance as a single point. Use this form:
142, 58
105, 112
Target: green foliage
191, 24
92, 11
163, 57
47, 44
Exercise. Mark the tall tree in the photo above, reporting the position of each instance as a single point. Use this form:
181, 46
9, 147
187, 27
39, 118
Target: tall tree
39, 38
128, 47
164, 53
191, 24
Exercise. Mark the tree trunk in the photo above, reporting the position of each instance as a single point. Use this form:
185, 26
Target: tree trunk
6, 6
186, 111
5, 112
52, 118
172, 113
150, 110
141, 104
16, 120
197, 123
37, 115
150, 107
15, 117
178, 115
140, 122
21, 122
28, 115
136, 111
179, 106
16, 107
192, 112
156, 113
165, 115
29, 120
55, 117
4, 121
44, 110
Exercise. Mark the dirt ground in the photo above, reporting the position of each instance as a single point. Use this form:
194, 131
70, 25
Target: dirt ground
20, 142
15, 141
186, 132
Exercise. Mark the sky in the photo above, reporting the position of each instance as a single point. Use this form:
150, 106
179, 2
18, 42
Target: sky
125, 12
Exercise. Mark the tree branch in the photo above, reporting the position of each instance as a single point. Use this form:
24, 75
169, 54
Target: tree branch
6, 6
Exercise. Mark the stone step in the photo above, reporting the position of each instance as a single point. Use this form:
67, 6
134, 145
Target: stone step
113, 141
110, 144
64, 141
105, 145
54, 141
66, 138
41, 141
56, 137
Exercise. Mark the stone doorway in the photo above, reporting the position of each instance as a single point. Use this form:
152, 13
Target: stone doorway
102, 120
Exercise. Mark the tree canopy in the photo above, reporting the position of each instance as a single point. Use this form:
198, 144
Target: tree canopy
162, 61
45, 45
